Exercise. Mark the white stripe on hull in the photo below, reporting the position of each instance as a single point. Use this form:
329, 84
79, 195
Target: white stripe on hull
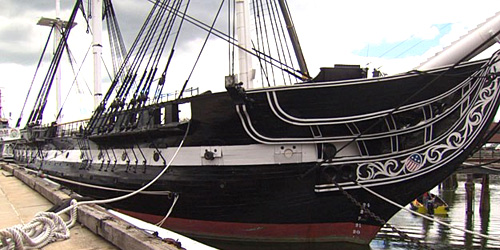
195, 156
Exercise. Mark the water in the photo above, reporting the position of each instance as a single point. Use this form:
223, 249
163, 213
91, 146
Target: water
437, 236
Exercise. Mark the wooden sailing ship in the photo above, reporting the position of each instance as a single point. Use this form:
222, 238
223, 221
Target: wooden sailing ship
271, 164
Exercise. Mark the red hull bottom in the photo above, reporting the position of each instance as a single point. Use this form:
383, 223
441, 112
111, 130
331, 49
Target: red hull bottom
257, 232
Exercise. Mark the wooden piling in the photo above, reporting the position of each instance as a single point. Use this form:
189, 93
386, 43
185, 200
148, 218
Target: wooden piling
469, 194
484, 206
450, 183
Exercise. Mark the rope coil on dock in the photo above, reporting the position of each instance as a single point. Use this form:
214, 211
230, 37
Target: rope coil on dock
45, 228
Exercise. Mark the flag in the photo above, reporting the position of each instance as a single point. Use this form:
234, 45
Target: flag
413, 162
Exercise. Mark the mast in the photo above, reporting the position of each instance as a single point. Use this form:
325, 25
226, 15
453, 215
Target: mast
97, 49
58, 25
294, 39
246, 73
0, 103
57, 39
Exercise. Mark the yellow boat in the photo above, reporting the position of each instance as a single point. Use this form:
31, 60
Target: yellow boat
440, 207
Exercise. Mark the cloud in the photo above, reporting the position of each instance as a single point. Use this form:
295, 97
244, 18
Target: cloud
16, 43
15, 8
331, 32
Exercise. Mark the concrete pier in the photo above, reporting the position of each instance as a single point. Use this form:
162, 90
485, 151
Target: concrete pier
97, 229
19, 204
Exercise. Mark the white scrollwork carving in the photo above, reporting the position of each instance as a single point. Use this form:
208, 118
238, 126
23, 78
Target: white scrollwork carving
475, 118
371, 170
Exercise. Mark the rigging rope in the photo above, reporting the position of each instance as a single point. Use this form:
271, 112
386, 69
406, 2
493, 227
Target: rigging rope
484, 165
161, 43
232, 41
261, 31
285, 50
151, 43
202, 48
34, 76
199, 24
490, 168
232, 31
70, 55
126, 71
161, 81
36, 115
117, 44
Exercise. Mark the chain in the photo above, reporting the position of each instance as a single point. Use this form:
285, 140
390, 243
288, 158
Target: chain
401, 234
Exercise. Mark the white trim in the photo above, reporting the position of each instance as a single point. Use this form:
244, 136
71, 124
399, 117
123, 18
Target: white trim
246, 155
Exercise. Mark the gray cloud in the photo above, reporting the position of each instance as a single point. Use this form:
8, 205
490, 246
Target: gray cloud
20, 57
18, 42
19, 45
132, 14
15, 33
13, 8
13, 44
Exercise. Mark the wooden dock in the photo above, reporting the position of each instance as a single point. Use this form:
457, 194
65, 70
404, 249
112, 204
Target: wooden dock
19, 204
480, 166
22, 195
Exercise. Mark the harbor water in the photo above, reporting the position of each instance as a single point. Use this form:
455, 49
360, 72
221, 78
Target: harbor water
429, 234
436, 236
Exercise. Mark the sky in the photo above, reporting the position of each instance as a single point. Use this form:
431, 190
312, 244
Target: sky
393, 36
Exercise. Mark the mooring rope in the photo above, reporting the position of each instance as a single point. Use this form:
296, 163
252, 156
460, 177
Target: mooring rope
169, 211
45, 228
427, 217
48, 227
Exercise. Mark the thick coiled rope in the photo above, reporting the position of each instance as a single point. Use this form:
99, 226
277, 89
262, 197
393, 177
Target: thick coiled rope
45, 228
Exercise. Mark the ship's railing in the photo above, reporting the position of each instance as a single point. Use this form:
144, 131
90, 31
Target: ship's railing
71, 128
47, 131
189, 92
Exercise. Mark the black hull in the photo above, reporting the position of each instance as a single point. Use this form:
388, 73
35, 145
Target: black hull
271, 194
276, 197
261, 166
